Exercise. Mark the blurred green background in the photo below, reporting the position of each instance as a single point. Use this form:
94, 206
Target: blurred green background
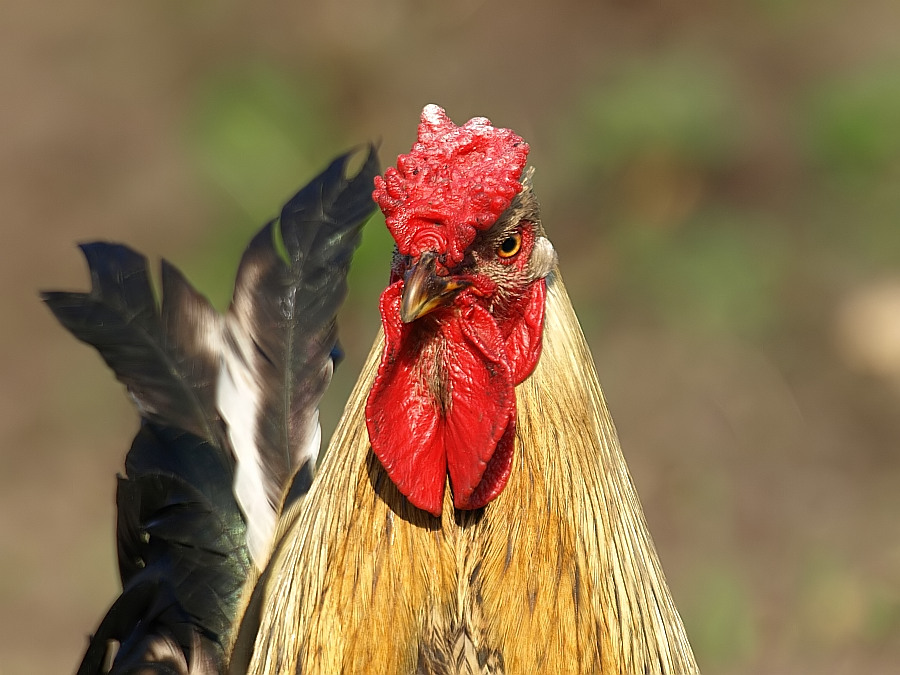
721, 180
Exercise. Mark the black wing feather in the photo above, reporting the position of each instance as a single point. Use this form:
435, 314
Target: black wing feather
163, 356
182, 557
281, 328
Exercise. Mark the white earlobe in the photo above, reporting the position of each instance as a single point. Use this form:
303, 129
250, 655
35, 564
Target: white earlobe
543, 258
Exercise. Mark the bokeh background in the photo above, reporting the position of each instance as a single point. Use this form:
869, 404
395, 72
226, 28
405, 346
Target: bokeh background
721, 180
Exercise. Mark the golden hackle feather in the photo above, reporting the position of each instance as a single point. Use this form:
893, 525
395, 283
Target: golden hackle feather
557, 575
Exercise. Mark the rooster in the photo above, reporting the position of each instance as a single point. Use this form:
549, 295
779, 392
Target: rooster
473, 512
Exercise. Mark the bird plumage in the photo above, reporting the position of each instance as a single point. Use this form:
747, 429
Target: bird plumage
558, 574
182, 553
229, 408
279, 337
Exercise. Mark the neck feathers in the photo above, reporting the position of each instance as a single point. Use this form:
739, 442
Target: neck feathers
558, 574
572, 446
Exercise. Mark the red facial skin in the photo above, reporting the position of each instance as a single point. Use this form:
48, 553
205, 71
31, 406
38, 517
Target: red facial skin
443, 401
472, 360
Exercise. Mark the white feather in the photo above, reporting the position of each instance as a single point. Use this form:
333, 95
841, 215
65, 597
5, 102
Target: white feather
238, 400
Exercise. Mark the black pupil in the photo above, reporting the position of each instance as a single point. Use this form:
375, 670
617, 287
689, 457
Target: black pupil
509, 245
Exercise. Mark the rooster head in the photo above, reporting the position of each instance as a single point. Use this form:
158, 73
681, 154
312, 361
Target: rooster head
463, 314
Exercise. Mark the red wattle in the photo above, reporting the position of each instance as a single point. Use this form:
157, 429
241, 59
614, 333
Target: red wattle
443, 400
482, 403
523, 330
420, 438
402, 415
496, 474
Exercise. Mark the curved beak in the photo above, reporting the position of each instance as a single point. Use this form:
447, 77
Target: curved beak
424, 291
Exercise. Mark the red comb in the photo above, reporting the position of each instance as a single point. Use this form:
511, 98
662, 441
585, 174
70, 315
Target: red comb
455, 181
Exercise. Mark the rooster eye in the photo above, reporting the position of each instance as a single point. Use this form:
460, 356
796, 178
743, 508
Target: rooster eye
510, 246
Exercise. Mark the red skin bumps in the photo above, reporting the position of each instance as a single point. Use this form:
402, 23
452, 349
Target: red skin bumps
454, 181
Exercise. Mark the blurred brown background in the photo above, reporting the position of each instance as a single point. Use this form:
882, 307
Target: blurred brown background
721, 180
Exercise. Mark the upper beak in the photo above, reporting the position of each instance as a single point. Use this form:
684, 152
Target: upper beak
424, 291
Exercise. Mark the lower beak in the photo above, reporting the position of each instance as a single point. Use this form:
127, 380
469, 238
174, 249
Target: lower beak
424, 291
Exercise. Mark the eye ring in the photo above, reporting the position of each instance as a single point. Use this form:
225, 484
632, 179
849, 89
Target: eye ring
510, 246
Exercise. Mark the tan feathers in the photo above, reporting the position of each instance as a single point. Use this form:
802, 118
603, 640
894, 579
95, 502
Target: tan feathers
557, 575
